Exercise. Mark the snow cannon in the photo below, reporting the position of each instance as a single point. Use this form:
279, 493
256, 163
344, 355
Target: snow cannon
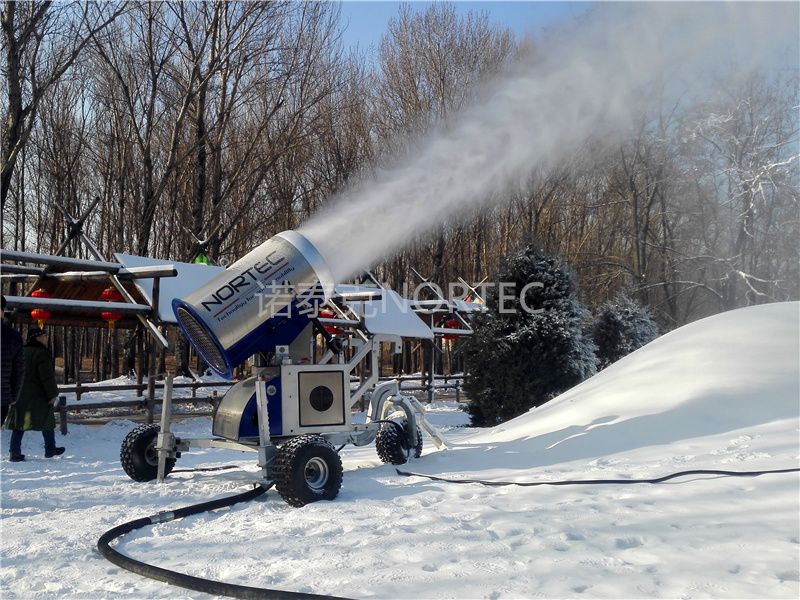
313, 352
259, 303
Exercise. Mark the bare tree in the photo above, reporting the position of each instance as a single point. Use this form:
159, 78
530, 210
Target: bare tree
41, 42
144, 82
244, 35
743, 158
432, 65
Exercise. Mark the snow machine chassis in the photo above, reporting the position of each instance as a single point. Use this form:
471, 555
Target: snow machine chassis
293, 415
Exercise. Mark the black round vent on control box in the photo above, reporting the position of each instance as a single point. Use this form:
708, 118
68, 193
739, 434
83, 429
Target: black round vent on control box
321, 398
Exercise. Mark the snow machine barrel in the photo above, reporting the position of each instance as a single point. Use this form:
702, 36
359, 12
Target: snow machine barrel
264, 299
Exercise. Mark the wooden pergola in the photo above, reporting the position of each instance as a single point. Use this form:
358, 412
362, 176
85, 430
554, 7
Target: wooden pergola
74, 289
74, 298
71, 291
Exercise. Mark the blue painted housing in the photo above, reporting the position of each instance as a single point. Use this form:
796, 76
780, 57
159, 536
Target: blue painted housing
280, 330
248, 426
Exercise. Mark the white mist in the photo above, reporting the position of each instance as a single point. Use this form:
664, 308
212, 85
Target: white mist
589, 83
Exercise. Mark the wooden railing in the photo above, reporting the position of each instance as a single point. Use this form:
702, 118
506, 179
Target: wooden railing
142, 403
80, 389
148, 404
453, 382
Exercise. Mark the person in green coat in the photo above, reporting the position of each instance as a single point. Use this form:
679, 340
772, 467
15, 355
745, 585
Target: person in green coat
34, 409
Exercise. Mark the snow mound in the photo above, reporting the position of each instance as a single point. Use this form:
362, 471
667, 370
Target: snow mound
733, 371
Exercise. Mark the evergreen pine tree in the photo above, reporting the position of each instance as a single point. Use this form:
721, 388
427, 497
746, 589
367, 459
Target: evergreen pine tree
621, 327
527, 349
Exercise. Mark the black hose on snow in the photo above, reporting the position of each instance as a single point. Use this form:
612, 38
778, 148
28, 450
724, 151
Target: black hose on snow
598, 481
205, 469
198, 584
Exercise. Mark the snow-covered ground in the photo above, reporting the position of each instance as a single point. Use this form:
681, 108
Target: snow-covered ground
722, 393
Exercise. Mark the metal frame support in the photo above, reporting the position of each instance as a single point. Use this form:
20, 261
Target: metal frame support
76, 230
266, 451
166, 440
432, 367
152, 350
150, 400
387, 396
432, 432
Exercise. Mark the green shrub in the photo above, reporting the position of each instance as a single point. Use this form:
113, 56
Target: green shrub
525, 354
619, 328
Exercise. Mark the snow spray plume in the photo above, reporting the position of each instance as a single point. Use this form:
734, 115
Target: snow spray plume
589, 84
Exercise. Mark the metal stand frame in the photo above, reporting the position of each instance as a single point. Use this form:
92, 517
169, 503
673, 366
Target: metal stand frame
385, 399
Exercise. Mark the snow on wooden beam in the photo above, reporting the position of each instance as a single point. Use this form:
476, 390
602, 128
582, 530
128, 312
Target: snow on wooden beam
60, 305
78, 276
21, 270
60, 261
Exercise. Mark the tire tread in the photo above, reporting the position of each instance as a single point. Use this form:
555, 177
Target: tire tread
131, 454
392, 444
285, 476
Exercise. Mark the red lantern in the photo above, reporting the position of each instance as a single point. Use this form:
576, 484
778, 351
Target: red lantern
40, 314
451, 324
327, 314
112, 294
111, 317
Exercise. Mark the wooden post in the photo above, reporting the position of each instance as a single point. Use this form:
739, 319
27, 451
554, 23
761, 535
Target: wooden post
103, 350
141, 359
150, 401
421, 361
62, 414
96, 362
432, 365
113, 352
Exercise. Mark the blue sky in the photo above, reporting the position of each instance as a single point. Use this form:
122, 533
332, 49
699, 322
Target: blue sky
368, 18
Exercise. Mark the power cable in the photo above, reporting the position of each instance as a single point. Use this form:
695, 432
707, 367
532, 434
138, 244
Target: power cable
599, 481
204, 469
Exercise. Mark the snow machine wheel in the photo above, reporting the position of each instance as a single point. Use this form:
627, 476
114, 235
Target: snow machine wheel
139, 456
393, 444
307, 469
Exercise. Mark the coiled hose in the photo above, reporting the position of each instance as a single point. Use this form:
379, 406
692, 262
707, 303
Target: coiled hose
198, 584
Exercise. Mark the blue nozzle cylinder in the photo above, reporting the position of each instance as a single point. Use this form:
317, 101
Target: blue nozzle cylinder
262, 300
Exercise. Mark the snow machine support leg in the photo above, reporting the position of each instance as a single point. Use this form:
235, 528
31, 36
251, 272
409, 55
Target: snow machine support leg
166, 440
266, 451
432, 432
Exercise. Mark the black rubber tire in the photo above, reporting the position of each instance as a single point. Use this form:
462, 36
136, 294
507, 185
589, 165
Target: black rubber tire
307, 469
139, 456
393, 444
